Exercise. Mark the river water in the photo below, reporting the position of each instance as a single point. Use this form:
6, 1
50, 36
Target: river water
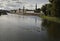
23, 28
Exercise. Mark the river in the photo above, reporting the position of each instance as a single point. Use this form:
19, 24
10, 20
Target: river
15, 27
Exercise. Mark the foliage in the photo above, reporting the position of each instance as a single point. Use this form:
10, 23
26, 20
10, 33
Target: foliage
56, 8
46, 9
37, 10
51, 1
43, 8
52, 9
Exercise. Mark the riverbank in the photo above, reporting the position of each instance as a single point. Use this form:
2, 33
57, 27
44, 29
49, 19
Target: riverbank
27, 14
49, 18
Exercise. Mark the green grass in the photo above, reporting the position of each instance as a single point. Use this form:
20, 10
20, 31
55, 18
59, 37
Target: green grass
49, 18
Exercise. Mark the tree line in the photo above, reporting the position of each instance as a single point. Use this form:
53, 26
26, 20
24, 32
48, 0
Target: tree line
52, 8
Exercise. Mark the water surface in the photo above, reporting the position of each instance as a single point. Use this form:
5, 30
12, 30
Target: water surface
21, 28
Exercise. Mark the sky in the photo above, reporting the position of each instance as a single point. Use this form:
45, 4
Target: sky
15, 4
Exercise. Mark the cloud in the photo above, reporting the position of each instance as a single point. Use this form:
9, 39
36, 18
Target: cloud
15, 4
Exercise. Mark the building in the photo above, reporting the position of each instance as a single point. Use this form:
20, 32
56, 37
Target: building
26, 11
29, 12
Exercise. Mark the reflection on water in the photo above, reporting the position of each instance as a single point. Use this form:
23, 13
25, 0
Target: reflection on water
53, 30
21, 28
28, 28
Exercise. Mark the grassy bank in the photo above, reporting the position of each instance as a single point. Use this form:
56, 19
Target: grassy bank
49, 18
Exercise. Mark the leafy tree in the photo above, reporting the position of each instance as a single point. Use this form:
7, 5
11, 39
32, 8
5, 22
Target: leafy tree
37, 10
48, 8
43, 8
52, 9
51, 1
55, 8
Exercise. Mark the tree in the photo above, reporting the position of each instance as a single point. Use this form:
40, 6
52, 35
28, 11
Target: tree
48, 8
43, 8
51, 1
37, 10
55, 11
53, 8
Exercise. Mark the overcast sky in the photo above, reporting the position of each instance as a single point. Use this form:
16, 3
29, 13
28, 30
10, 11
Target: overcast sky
15, 4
